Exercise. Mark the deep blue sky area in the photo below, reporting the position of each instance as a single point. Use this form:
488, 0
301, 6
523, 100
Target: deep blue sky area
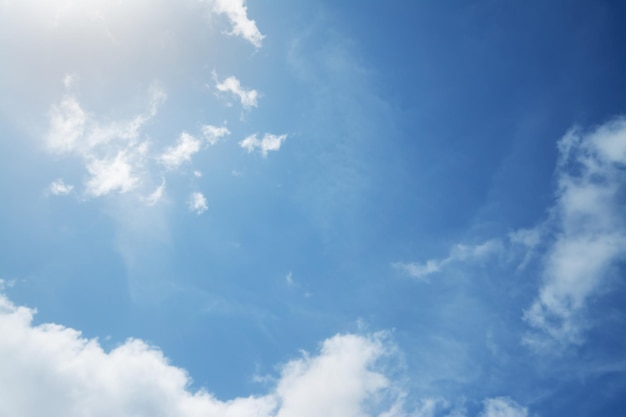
312, 208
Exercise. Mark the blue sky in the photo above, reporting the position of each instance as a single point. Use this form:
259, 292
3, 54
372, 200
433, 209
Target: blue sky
312, 208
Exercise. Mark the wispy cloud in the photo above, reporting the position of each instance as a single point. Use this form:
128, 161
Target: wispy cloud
581, 241
175, 156
213, 134
197, 203
156, 195
59, 187
232, 85
590, 237
268, 143
243, 26
503, 407
67, 125
459, 253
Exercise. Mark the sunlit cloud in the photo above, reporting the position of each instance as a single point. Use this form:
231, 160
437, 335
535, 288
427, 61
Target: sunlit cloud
243, 26
175, 156
108, 175
53, 370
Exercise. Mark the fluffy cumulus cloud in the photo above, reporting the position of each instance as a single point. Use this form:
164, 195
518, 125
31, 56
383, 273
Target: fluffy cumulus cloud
243, 26
266, 144
112, 152
52, 370
197, 203
336, 383
108, 175
459, 253
116, 154
232, 85
590, 232
182, 152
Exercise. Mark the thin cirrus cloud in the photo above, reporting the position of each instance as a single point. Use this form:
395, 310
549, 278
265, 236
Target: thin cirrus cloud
72, 376
267, 143
459, 253
503, 407
232, 85
156, 196
242, 25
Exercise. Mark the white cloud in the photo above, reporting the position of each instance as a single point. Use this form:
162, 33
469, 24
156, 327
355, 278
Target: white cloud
590, 232
68, 81
503, 407
111, 152
197, 203
459, 253
583, 239
52, 370
175, 156
108, 175
156, 195
213, 134
268, 143
248, 98
237, 13
72, 130
334, 384
59, 187
67, 125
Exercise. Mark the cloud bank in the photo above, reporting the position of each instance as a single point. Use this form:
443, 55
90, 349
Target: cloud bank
52, 370
589, 232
